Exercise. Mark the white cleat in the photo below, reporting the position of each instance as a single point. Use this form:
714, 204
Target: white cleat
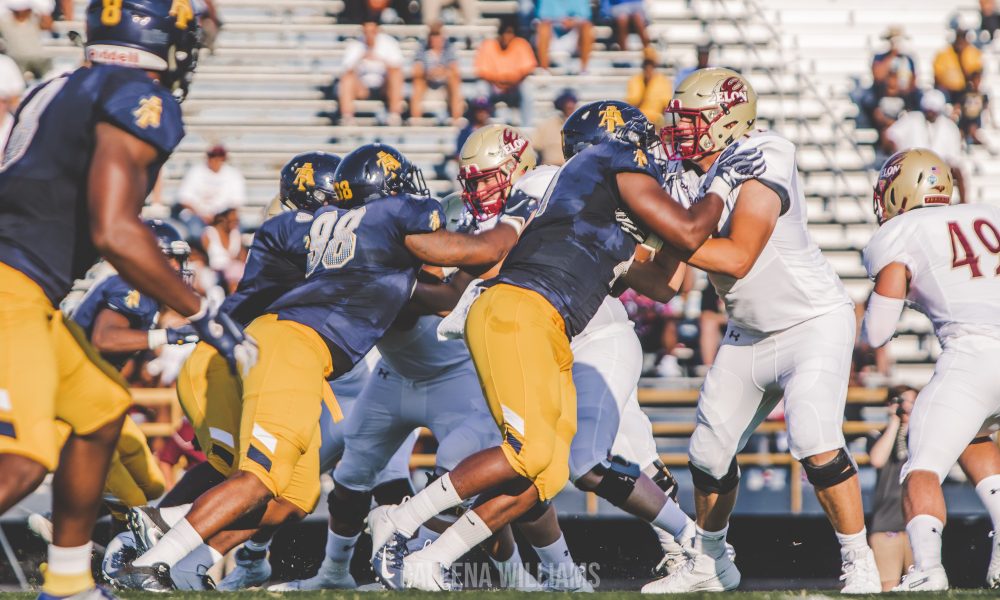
517, 578
564, 578
860, 573
380, 526
993, 572
426, 575
931, 580
40, 526
252, 570
675, 557
701, 573
331, 576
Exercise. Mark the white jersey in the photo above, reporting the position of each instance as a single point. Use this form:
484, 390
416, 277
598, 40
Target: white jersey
951, 254
417, 353
791, 282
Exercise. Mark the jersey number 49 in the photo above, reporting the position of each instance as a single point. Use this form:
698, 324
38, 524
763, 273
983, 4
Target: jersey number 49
962, 253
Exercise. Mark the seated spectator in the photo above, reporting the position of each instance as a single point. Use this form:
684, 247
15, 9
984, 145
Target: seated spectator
430, 10
882, 105
956, 64
704, 52
547, 137
372, 68
626, 14
887, 453
223, 243
21, 27
479, 114
436, 67
650, 91
504, 63
11, 89
974, 104
567, 14
211, 23
357, 12
895, 61
990, 19
930, 128
208, 189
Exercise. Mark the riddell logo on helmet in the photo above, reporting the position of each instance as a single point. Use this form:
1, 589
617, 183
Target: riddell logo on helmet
114, 55
732, 91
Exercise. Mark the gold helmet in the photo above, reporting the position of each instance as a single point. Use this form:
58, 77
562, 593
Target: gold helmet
491, 161
711, 109
911, 179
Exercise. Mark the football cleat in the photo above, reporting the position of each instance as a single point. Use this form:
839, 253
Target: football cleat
380, 526
388, 562
147, 526
675, 556
513, 576
860, 573
331, 576
95, 593
147, 579
121, 551
993, 572
918, 580
564, 578
700, 573
252, 570
427, 575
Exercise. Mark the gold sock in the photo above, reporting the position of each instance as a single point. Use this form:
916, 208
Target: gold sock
66, 584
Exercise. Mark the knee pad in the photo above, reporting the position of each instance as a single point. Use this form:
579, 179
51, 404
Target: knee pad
839, 469
534, 513
664, 479
711, 485
617, 480
348, 505
393, 491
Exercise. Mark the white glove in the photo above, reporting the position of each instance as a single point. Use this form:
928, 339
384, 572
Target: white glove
452, 327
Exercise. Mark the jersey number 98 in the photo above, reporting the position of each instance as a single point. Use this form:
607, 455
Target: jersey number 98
332, 239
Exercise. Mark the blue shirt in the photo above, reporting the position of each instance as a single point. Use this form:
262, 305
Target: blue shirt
114, 293
275, 264
44, 218
582, 236
359, 272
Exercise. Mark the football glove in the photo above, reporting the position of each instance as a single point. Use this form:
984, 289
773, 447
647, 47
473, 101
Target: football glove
518, 210
733, 168
220, 331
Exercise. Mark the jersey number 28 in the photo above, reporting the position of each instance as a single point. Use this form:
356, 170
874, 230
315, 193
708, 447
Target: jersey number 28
332, 239
962, 254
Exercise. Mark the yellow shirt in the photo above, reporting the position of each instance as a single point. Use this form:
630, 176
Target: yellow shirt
952, 72
651, 98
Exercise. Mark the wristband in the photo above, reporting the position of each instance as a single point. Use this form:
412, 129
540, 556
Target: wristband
157, 338
721, 187
516, 222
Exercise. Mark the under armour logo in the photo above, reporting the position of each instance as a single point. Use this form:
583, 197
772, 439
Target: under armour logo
735, 335
383, 373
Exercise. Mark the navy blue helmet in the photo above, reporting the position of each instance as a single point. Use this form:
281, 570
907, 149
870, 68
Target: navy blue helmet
307, 181
596, 122
172, 244
375, 171
156, 35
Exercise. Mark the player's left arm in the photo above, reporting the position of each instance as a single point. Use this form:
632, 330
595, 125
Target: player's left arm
445, 248
659, 279
440, 297
885, 305
113, 334
754, 217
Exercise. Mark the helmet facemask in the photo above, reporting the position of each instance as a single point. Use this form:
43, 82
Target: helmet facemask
485, 192
686, 133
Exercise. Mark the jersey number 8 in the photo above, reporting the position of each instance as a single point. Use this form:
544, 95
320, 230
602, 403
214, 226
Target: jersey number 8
112, 13
332, 239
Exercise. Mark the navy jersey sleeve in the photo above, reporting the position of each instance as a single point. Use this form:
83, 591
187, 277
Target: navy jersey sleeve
419, 214
626, 158
145, 110
122, 298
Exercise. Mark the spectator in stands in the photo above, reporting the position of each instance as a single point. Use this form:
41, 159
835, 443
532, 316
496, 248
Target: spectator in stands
567, 14
22, 24
479, 114
207, 190
503, 64
882, 105
887, 453
650, 91
626, 15
435, 68
223, 243
974, 105
547, 137
895, 61
211, 23
989, 22
372, 68
704, 51
930, 128
11, 89
382, 11
430, 10
956, 64
656, 326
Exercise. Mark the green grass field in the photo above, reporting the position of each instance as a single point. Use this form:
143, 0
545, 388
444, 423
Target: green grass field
502, 595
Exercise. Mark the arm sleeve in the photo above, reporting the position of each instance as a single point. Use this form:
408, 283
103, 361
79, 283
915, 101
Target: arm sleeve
626, 158
144, 110
880, 320
419, 215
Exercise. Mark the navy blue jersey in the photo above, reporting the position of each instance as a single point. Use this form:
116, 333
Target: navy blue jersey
275, 264
114, 293
582, 236
359, 272
44, 219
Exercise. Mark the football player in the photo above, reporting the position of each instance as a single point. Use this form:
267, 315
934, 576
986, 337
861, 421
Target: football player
364, 253
791, 334
607, 356
83, 155
937, 260
580, 241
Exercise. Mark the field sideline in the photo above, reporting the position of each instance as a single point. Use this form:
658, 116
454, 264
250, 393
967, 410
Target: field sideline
505, 595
